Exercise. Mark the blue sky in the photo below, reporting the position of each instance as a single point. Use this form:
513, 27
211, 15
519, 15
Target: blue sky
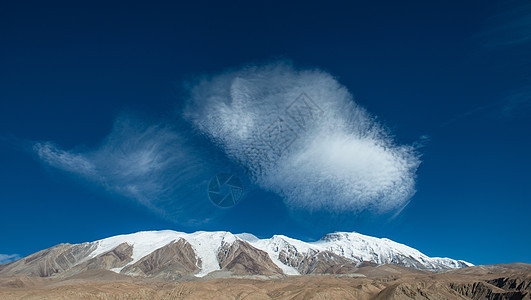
106, 128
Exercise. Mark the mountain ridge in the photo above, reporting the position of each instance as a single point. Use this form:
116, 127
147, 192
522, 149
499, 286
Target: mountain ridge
171, 254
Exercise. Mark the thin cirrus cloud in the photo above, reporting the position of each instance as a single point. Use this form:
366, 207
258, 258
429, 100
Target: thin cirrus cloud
506, 32
510, 26
5, 258
153, 163
297, 133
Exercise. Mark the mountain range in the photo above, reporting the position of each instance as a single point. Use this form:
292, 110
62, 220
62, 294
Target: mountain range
171, 255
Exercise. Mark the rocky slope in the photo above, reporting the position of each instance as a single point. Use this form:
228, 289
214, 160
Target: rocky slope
174, 255
372, 282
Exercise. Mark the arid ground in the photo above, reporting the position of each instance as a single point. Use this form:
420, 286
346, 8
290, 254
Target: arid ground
381, 282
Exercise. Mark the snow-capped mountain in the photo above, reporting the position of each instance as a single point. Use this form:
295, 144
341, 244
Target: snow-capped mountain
173, 255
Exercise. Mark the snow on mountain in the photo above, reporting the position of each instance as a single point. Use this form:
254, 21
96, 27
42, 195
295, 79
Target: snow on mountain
205, 245
143, 243
274, 246
351, 245
245, 252
361, 247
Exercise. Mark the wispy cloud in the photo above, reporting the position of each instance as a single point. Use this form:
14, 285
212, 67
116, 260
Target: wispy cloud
156, 164
506, 37
509, 27
65, 160
5, 258
335, 158
339, 159
516, 103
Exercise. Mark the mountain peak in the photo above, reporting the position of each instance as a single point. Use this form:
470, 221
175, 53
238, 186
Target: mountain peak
172, 254
338, 235
248, 237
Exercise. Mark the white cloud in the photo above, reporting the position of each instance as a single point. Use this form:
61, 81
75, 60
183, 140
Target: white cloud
332, 155
156, 164
5, 258
337, 158
64, 160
